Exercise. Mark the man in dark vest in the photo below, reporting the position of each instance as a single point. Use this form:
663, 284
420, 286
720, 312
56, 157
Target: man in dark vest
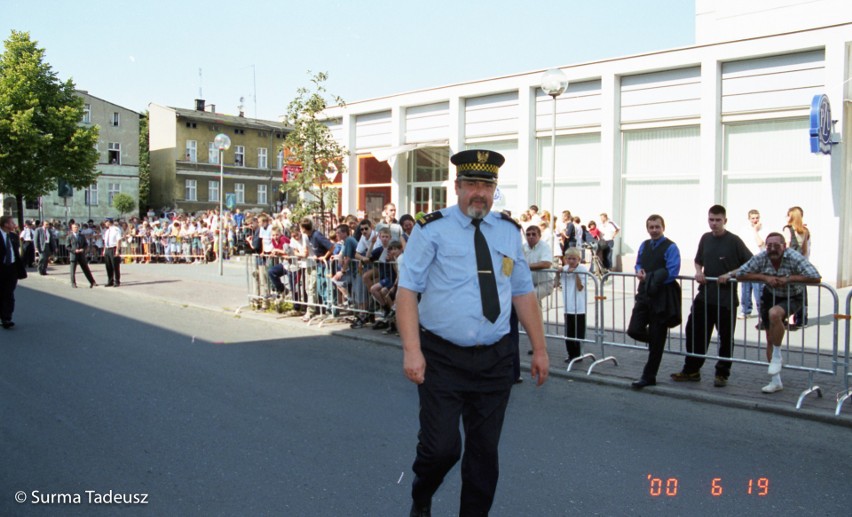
658, 304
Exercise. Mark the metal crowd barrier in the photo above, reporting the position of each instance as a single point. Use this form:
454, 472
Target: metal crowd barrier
609, 304
308, 285
847, 391
813, 349
167, 248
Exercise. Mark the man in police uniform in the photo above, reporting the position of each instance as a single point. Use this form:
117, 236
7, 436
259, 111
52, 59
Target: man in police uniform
468, 266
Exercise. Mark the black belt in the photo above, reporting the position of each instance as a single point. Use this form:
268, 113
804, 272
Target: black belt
435, 337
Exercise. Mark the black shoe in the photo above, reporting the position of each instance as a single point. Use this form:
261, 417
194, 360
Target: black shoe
92, 285
381, 325
720, 381
519, 380
109, 284
359, 324
117, 284
420, 511
8, 324
642, 382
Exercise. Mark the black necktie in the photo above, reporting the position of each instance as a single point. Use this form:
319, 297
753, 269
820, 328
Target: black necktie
487, 282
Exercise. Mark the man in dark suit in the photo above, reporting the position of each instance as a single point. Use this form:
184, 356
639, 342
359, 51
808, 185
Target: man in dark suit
11, 269
76, 244
45, 243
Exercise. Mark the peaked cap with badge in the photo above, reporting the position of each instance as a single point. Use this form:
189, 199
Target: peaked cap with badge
477, 164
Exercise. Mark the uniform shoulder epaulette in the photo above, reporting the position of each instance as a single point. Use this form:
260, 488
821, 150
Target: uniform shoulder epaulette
430, 217
506, 217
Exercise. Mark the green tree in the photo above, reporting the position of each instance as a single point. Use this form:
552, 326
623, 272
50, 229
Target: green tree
124, 203
41, 140
310, 143
144, 164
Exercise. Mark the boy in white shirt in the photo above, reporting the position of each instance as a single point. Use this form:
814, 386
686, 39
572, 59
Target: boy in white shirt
574, 301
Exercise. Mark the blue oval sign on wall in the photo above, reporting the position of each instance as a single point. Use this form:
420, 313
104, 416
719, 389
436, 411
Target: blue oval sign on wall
820, 125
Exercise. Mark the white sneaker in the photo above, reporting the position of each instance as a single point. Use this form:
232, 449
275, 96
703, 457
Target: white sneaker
774, 366
772, 387
742, 316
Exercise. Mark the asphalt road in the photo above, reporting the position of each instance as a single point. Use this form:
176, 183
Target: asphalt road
211, 414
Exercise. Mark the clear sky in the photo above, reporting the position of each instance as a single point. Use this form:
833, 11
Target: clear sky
133, 53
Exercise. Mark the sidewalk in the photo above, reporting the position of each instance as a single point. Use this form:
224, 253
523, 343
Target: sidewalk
199, 285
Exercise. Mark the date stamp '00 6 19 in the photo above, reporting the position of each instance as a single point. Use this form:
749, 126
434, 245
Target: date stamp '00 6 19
658, 487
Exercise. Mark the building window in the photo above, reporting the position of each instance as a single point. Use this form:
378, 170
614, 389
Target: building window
92, 195
280, 160
261, 195
115, 119
112, 190
578, 183
240, 156
114, 153
212, 153
240, 191
191, 191
428, 179
191, 151
213, 190
261, 157
87, 113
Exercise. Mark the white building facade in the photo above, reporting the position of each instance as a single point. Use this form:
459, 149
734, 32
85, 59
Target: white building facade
672, 132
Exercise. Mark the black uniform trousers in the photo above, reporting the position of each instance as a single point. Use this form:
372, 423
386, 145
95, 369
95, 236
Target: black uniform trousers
28, 253
80, 259
699, 328
648, 327
472, 384
113, 266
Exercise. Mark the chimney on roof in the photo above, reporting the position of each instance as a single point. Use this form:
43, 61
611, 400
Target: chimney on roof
199, 104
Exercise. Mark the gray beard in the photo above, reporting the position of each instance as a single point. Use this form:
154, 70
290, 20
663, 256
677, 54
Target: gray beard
476, 213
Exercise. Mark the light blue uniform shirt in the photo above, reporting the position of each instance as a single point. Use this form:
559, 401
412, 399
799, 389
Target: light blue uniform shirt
440, 263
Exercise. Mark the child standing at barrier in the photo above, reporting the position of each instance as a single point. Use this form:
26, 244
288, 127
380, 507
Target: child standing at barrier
574, 301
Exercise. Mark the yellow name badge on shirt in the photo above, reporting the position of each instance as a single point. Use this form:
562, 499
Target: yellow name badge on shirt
508, 265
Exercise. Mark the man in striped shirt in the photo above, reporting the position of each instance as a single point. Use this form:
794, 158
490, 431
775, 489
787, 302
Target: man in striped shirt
783, 272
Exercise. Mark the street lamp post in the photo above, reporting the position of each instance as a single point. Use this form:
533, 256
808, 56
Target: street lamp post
553, 82
222, 142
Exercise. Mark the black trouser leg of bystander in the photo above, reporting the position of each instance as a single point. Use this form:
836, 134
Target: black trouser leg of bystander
8, 282
657, 332
84, 267
726, 324
575, 330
